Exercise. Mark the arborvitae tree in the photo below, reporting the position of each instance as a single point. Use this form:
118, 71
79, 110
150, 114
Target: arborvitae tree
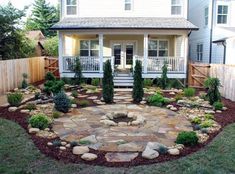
108, 83
213, 94
164, 79
78, 72
43, 17
138, 91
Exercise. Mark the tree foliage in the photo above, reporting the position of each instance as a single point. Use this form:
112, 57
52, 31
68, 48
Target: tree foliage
108, 83
13, 42
213, 93
138, 91
78, 72
164, 79
43, 17
51, 46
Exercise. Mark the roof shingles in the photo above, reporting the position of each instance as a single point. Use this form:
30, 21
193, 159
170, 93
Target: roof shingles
124, 23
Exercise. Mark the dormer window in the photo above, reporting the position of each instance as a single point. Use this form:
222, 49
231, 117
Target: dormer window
176, 7
128, 5
71, 7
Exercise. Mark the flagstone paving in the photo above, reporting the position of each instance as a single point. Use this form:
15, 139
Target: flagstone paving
161, 126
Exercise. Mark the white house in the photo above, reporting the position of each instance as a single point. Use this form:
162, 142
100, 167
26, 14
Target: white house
123, 31
215, 40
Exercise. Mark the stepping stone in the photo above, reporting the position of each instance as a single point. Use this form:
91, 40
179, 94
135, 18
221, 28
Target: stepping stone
131, 147
120, 157
92, 139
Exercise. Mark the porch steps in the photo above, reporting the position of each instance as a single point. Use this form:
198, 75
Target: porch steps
123, 80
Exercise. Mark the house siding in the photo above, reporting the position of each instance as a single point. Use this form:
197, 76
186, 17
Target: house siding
115, 8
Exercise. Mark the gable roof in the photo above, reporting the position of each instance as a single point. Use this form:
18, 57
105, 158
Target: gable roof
124, 23
35, 35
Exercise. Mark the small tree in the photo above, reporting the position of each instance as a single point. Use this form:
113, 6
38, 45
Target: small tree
24, 84
108, 83
138, 91
78, 72
164, 78
213, 93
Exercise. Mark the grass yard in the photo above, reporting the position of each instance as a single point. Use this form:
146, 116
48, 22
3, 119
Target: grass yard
19, 155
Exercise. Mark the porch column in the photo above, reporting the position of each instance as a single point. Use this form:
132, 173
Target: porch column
61, 59
101, 44
186, 54
145, 52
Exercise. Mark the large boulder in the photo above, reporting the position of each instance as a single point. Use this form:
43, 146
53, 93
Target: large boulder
150, 153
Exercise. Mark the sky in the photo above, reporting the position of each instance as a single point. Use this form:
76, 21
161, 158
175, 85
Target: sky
21, 3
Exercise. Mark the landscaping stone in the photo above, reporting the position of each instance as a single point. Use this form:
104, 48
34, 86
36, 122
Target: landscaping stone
218, 111
174, 152
62, 148
12, 109
89, 156
150, 153
73, 106
24, 111
224, 108
121, 124
67, 145
50, 144
109, 122
155, 145
79, 150
34, 130
120, 157
209, 112
173, 109
63, 143
92, 139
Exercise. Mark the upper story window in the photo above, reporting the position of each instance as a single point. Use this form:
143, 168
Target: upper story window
199, 52
176, 7
158, 48
71, 7
206, 16
222, 14
128, 5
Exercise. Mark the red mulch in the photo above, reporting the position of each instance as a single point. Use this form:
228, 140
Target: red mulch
227, 117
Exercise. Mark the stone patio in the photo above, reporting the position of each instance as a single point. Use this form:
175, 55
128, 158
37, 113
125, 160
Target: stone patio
161, 125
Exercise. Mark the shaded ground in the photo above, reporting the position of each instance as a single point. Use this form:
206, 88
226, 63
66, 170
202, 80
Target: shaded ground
18, 154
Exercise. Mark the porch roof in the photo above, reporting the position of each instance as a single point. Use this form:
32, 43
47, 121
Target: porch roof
124, 23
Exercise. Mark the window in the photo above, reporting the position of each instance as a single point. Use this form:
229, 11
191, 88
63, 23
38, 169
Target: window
176, 7
222, 14
206, 15
71, 7
128, 5
89, 48
199, 52
158, 48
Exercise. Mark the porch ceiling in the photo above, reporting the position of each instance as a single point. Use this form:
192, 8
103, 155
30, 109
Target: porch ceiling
125, 23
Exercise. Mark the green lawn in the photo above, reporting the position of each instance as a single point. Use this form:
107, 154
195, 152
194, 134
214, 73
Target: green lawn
19, 155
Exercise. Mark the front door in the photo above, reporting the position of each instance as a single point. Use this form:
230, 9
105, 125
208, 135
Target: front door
123, 53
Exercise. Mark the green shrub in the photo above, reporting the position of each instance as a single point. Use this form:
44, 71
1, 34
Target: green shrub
196, 120
162, 149
209, 117
187, 138
218, 105
164, 79
31, 106
175, 83
67, 80
15, 99
78, 78
95, 82
178, 97
75, 94
213, 93
206, 124
138, 91
157, 100
52, 85
24, 84
62, 102
73, 101
148, 83
83, 103
189, 92
39, 121
56, 143
108, 83
56, 115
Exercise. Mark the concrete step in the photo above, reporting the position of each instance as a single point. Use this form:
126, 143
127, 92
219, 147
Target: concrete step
122, 75
123, 78
123, 84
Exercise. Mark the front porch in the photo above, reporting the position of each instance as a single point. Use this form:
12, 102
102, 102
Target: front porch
123, 49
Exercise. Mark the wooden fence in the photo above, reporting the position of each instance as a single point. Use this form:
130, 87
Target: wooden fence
198, 74
11, 72
226, 74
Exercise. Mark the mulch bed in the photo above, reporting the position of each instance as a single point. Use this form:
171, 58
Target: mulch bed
224, 119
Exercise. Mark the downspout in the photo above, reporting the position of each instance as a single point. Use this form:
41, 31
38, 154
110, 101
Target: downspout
211, 31
225, 50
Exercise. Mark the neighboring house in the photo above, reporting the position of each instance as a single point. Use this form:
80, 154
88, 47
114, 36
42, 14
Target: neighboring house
39, 38
215, 41
153, 31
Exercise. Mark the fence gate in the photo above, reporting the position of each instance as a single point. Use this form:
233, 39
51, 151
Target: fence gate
52, 65
198, 73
